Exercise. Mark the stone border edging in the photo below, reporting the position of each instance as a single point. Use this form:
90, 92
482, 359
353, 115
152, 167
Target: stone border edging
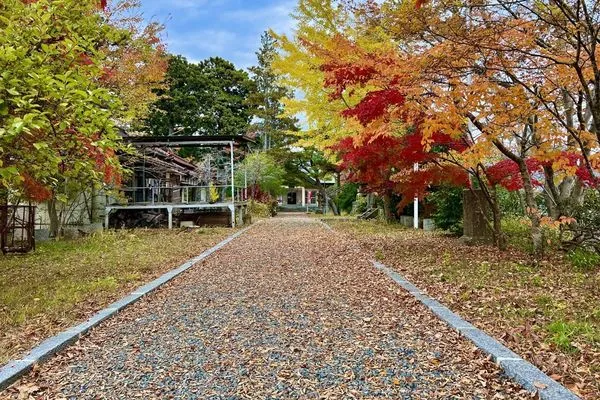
14, 369
523, 372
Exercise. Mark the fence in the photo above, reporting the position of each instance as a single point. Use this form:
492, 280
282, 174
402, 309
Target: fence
17, 228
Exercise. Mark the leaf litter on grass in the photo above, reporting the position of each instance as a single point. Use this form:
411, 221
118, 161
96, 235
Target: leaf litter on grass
65, 282
547, 312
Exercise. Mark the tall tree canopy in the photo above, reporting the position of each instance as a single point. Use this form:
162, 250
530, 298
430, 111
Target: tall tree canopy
70, 71
55, 115
208, 98
136, 68
271, 126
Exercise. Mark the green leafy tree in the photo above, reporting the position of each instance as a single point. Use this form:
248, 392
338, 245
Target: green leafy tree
271, 126
261, 171
309, 167
208, 98
56, 118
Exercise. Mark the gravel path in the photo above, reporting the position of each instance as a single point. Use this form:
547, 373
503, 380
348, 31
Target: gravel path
285, 311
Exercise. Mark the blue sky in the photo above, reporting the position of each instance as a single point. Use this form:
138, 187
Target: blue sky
231, 29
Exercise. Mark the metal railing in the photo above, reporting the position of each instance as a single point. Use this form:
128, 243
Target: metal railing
143, 195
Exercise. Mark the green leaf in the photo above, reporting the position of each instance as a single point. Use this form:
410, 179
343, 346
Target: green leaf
9, 172
40, 145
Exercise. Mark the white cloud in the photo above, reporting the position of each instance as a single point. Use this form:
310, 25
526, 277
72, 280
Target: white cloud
257, 20
276, 16
187, 3
231, 29
206, 40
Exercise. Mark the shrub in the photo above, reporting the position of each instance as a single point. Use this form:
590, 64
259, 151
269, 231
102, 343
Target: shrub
518, 233
585, 233
213, 193
347, 196
510, 202
448, 213
360, 205
273, 204
259, 210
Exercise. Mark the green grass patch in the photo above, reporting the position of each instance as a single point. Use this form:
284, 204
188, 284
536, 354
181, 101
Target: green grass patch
564, 333
63, 281
584, 259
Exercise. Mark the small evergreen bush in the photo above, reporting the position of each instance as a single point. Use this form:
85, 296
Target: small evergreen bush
448, 213
347, 197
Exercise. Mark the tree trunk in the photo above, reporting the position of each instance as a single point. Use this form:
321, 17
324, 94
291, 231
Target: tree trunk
93, 205
54, 219
495, 220
334, 206
537, 236
387, 207
499, 238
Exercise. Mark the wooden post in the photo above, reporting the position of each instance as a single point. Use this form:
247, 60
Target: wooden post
245, 183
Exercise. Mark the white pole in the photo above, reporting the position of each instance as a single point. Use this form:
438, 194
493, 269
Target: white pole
416, 205
307, 203
106, 217
245, 183
232, 188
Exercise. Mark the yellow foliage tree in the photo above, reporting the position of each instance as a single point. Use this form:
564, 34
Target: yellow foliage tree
516, 80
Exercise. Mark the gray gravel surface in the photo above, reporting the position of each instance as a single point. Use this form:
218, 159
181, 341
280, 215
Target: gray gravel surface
289, 310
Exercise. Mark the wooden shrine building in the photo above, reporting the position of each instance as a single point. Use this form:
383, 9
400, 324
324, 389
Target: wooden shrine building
168, 190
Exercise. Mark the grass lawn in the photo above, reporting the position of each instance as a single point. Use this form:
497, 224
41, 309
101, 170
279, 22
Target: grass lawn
64, 282
548, 312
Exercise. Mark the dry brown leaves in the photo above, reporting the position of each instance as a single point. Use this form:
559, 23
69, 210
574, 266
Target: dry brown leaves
287, 310
503, 293
60, 285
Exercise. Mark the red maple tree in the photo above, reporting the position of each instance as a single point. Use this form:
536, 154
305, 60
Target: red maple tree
384, 165
506, 172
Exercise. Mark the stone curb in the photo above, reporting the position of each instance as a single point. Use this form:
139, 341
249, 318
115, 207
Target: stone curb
14, 369
521, 371
325, 225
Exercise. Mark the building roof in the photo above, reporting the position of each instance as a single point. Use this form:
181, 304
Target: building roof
159, 160
186, 141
